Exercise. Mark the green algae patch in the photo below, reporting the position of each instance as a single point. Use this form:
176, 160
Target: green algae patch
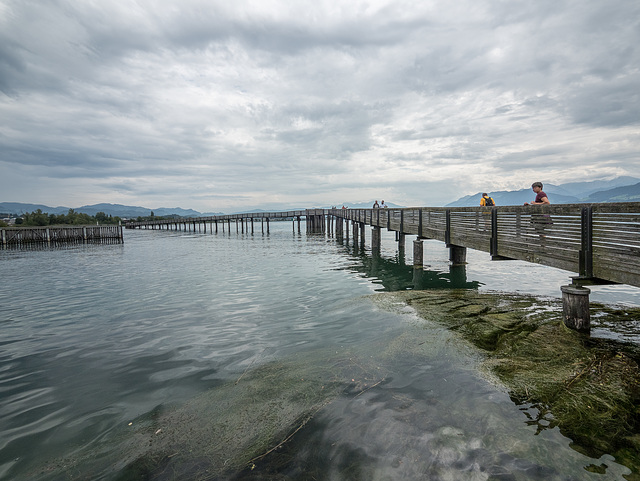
589, 388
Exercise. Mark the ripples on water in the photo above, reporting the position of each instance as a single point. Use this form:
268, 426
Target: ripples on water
94, 336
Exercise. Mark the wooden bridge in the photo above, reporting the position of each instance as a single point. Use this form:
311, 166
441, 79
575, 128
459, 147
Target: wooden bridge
315, 220
598, 242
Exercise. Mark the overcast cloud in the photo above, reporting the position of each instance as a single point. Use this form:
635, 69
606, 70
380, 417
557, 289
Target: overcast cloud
226, 106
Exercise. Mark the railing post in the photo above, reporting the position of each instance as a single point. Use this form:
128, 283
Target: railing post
401, 221
586, 251
420, 224
447, 228
493, 242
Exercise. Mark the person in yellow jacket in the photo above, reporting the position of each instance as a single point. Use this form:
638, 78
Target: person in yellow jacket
487, 201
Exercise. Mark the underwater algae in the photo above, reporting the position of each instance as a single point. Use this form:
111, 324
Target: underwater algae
225, 430
589, 388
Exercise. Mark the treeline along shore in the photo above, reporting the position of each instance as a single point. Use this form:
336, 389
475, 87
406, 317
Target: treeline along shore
39, 218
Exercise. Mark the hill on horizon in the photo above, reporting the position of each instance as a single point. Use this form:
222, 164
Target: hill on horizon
116, 210
132, 212
620, 189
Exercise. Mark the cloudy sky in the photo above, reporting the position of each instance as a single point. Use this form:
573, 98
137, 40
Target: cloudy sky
222, 106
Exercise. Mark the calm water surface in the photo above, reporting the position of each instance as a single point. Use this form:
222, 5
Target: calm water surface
94, 336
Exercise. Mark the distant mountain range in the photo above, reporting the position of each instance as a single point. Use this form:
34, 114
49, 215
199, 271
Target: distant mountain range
132, 212
620, 189
116, 210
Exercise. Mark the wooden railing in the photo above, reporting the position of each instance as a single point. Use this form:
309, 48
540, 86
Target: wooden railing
600, 242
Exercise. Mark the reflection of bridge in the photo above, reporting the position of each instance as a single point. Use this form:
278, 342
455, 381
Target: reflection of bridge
599, 242
395, 275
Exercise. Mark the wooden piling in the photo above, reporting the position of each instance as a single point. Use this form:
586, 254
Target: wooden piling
457, 255
575, 307
418, 254
376, 237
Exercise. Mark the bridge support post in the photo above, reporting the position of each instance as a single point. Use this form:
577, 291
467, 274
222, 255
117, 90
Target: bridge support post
375, 240
362, 229
418, 278
457, 255
418, 258
355, 233
575, 308
315, 224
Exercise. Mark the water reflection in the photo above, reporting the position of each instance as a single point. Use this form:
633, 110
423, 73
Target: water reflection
395, 275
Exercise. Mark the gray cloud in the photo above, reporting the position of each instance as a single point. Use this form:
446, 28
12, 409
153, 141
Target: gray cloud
222, 106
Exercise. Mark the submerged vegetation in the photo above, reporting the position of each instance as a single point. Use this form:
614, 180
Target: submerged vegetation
270, 422
589, 388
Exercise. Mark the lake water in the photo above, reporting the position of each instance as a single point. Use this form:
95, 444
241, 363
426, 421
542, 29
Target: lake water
95, 338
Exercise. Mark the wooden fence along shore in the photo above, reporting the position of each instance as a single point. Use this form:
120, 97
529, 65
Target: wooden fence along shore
51, 235
599, 242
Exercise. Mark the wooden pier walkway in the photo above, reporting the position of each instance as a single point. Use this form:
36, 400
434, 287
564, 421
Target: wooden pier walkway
598, 242
51, 235
315, 220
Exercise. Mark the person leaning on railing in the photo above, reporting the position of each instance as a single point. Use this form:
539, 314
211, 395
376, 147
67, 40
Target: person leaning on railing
540, 221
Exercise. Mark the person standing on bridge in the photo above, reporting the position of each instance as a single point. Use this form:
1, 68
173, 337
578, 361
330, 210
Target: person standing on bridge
487, 201
383, 205
376, 205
